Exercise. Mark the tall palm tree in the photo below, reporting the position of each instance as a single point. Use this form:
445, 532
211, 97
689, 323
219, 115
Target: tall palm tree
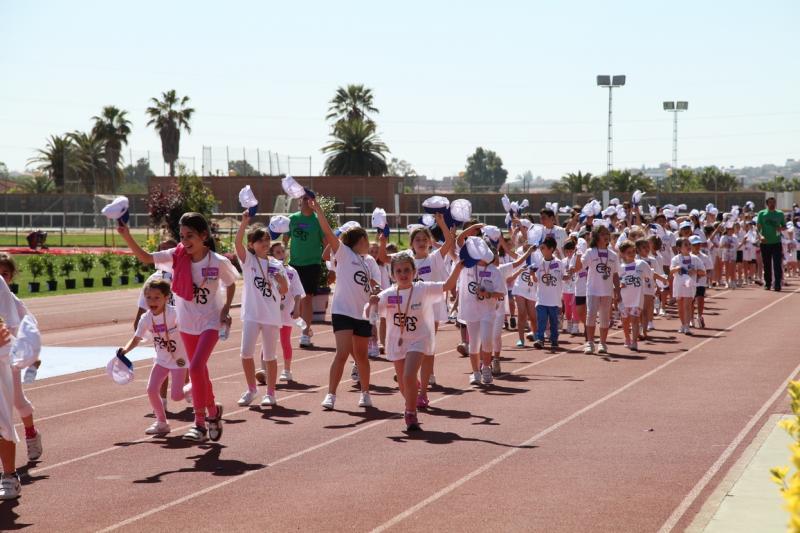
356, 150
91, 162
574, 183
113, 127
168, 116
353, 102
56, 159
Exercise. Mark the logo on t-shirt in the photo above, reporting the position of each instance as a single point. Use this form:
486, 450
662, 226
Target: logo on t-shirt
472, 287
164, 344
210, 273
200, 294
265, 288
300, 232
549, 280
360, 277
400, 320
526, 277
424, 270
603, 270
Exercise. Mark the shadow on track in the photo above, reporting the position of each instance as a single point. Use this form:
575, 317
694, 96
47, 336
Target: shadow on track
210, 462
448, 437
279, 412
8, 517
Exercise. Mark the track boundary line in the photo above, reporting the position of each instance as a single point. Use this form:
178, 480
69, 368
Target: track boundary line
497, 460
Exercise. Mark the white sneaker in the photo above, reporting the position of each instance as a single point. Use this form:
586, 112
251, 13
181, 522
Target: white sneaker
373, 351
158, 428
329, 401
34, 447
10, 487
589, 348
650, 326
354, 373
247, 398
661, 312
268, 401
475, 378
603, 348
365, 400
305, 341
30, 375
486, 372
432, 380
286, 375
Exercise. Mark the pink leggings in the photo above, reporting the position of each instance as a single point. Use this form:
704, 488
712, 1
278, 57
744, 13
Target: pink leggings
570, 311
199, 348
286, 342
157, 377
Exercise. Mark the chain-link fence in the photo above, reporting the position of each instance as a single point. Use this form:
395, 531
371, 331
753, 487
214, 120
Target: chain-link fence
241, 161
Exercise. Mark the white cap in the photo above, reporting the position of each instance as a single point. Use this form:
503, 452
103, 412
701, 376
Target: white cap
116, 209
279, 224
685, 224
379, 218
121, 373
478, 250
636, 197
491, 232
609, 211
436, 202
428, 220
247, 198
614, 201
506, 203
535, 234
461, 210
292, 188
524, 222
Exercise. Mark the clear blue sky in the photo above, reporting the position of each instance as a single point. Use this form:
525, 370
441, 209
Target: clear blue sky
515, 77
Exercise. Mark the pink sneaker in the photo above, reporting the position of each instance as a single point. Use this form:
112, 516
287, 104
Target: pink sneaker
422, 402
412, 423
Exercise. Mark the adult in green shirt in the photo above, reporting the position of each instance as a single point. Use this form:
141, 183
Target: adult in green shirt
305, 255
770, 222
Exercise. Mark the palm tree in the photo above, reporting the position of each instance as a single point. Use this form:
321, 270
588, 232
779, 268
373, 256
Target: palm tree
168, 116
351, 103
56, 159
356, 150
574, 183
113, 127
626, 181
36, 184
91, 162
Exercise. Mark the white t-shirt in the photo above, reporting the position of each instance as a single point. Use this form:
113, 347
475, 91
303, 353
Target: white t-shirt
524, 285
687, 262
352, 290
419, 319
667, 243
650, 281
549, 281
210, 277
431, 268
558, 233
601, 266
471, 307
261, 299
170, 352
158, 274
580, 275
295, 289
708, 266
569, 284
633, 279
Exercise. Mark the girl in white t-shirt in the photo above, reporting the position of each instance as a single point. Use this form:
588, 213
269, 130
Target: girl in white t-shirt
291, 309
10, 486
262, 307
408, 307
601, 282
509, 271
635, 275
357, 277
728, 245
685, 269
160, 322
203, 283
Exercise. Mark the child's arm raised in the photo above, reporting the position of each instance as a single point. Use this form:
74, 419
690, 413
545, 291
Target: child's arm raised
450, 284
141, 255
449, 240
332, 240
241, 251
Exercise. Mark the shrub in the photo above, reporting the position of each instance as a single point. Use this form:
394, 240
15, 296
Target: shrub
86, 263
108, 261
127, 263
67, 266
50, 266
36, 266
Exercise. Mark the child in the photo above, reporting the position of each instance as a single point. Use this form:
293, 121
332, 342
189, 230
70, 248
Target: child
199, 277
357, 279
262, 307
408, 307
581, 276
644, 252
728, 245
161, 322
634, 275
698, 244
524, 292
685, 269
549, 274
290, 313
568, 296
508, 273
10, 486
33, 438
602, 278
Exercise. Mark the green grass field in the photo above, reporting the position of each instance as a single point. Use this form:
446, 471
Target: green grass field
77, 238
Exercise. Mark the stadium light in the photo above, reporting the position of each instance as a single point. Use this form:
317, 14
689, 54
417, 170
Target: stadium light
675, 108
610, 82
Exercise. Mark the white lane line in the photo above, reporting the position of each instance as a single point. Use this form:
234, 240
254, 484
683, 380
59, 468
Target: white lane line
459, 482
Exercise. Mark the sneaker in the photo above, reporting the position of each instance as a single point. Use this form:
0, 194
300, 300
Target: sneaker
286, 375
373, 352
432, 381
530, 336
247, 398
687, 330
382, 349
486, 374
512, 322
603, 348
158, 428
30, 375
702, 322
589, 348
305, 341
475, 378
365, 400
554, 345
329, 401
650, 326
463, 349
661, 312
261, 377
34, 447
354, 374
10, 487
422, 402
496, 366
412, 422
538, 344
634, 346
215, 425
196, 434
268, 401
520, 344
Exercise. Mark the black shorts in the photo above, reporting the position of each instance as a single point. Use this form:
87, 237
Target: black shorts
739, 256
798, 255
309, 277
580, 300
700, 292
360, 328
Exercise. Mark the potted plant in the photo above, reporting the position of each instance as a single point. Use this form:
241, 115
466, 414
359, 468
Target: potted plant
108, 262
36, 268
126, 264
86, 264
320, 300
14, 286
67, 267
51, 269
140, 271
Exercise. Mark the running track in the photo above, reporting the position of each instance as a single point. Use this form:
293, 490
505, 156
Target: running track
562, 442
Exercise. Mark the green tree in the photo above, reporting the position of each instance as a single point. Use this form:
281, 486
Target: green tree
780, 184
168, 116
485, 171
139, 173
91, 163
3, 171
113, 128
190, 194
356, 150
625, 181
574, 182
243, 168
713, 179
57, 159
36, 184
353, 102
402, 168
681, 180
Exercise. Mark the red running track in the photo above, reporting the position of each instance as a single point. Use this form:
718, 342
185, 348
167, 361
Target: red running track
561, 442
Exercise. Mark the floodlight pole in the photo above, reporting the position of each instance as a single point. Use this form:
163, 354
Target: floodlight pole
675, 108
610, 156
